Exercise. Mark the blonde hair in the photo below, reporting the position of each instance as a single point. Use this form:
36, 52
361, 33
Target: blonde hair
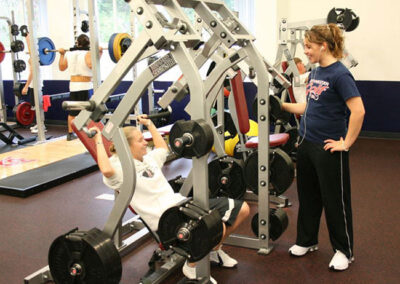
331, 34
129, 134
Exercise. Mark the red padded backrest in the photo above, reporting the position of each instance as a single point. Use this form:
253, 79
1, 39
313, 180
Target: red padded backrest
89, 143
240, 103
285, 65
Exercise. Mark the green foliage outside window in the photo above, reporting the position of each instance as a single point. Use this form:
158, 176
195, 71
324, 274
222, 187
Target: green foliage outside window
112, 20
114, 17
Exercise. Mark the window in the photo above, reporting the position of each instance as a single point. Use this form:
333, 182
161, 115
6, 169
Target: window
245, 8
114, 16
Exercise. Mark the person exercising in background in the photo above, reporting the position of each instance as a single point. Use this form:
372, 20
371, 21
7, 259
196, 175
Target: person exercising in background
79, 61
299, 92
153, 193
300, 65
27, 90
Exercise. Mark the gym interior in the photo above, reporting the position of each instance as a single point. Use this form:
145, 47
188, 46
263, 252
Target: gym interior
213, 77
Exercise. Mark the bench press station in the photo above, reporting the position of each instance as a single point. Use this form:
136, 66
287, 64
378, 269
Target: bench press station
179, 40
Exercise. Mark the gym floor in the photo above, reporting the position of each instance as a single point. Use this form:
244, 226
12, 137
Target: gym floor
29, 225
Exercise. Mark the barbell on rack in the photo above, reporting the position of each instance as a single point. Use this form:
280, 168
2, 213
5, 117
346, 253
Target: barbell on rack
117, 46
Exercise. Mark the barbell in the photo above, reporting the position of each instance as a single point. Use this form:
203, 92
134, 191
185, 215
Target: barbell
117, 46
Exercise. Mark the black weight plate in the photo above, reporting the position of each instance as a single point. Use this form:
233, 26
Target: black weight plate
275, 108
163, 120
17, 89
354, 23
203, 138
206, 234
85, 26
226, 178
251, 171
214, 174
228, 123
19, 65
178, 129
281, 171
93, 251
254, 224
340, 16
278, 223
168, 225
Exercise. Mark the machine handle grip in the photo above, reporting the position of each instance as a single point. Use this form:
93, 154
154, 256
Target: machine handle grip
74, 105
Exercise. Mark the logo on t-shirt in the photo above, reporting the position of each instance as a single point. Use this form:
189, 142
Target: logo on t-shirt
315, 88
148, 173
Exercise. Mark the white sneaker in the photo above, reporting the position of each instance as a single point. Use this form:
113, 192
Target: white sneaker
222, 258
190, 272
340, 261
33, 127
36, 130
300, 251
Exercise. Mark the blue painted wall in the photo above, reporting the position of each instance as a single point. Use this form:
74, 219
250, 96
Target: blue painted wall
382, 105
381, 100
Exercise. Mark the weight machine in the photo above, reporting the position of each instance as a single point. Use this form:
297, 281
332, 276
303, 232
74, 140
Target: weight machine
227, 32
180, 40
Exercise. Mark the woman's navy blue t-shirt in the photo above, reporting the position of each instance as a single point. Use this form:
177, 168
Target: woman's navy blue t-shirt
327, 91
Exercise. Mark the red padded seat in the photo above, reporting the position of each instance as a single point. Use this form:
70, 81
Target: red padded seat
274, 140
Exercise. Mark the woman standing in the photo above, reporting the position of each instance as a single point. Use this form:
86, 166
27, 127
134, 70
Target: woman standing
323, 177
